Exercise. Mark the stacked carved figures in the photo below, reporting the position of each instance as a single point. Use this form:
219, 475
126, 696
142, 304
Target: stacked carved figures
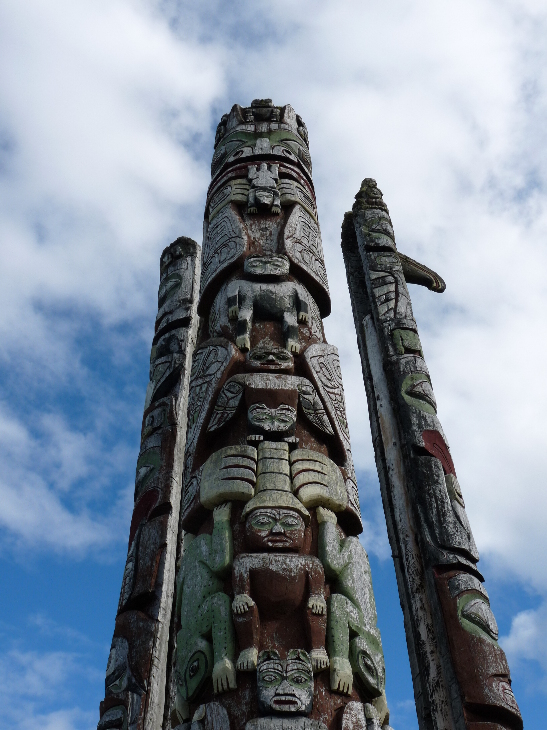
136, 671
460, 673
275, 621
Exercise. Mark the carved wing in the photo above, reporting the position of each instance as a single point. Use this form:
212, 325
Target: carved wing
313, 407
227, 403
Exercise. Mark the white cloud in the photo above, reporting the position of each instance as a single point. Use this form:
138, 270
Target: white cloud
42, 502
527, 642
28, 680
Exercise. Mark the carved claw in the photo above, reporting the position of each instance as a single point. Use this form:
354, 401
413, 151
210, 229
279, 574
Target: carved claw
243, 342
222, 512
233, 312
247, 660
293, 346
303, 317
224, 676
341, 676
276, 210
252, 211
317, 605
325, 515
242, 603
319, 659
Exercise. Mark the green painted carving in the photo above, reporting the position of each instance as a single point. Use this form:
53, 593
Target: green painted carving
351, 611
317, 481
147, 466
273, 485
417, 392
206, 640
407, 341
228, 475
476, 616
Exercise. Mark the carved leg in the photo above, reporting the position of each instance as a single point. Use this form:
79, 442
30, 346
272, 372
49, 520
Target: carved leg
244, 324
290, 331
248, 635
316, 625
224, 674
341, 675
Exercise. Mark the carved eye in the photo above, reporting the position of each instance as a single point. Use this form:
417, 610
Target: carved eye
237, 154
262, 523
290, 523
193, 668
298, 678
270, 678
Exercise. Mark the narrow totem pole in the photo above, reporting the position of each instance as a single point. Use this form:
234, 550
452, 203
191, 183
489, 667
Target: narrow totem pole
460, 673
270, 623
137, 664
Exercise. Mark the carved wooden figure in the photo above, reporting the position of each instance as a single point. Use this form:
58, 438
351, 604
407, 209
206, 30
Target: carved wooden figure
266, 433
460, 673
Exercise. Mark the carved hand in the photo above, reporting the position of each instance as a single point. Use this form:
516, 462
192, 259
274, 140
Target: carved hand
242, 603
317, 605
325, 515
303, 317
222, 512
319, 659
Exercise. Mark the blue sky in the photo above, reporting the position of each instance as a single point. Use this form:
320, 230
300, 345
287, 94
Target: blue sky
107, 117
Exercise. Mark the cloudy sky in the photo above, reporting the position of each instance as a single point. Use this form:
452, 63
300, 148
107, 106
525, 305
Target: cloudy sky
107, 117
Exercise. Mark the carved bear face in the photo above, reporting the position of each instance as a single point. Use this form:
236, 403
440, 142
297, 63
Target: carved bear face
274, 529
284, 686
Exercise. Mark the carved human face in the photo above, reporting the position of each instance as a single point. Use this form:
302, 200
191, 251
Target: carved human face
274, 529
285, 687
267, 356
280, 420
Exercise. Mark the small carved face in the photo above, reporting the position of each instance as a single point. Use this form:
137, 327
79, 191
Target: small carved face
267, 356
264, 198
274, 529
266, 265
285, 686
280, 420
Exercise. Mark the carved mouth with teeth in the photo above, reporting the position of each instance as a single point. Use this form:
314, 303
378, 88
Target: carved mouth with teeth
286, 703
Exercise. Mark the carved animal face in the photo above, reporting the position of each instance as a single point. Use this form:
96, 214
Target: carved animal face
280, 420
264, 198
285, 686
274, 529
267, 356
266, 265
198, 668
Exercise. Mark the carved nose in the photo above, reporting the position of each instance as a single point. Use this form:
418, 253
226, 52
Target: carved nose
277, 529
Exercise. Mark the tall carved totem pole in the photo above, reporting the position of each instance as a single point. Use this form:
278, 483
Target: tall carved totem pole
246, 600
460, 673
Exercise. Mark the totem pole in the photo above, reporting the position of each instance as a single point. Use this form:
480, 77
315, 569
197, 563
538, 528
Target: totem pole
273, 588
137, 664
460, 673
270, 622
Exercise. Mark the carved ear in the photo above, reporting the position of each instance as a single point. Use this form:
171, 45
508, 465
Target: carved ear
416, 273
227, 404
